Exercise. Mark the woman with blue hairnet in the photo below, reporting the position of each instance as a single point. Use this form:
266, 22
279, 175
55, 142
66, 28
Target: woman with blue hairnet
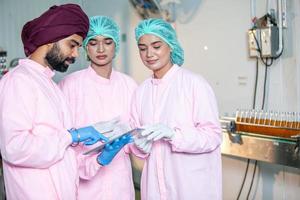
178, 110
100, 93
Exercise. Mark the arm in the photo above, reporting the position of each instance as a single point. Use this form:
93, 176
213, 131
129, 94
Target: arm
25, 141
206, 135
134, 122
88, 165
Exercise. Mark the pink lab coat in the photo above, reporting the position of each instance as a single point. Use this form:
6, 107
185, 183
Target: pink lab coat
189, 166
37, 160
93, 99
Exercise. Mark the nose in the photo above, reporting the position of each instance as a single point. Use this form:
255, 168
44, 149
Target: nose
100, 47
75, 52
149, 52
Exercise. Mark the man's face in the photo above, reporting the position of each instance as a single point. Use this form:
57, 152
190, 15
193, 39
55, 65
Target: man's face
63, 53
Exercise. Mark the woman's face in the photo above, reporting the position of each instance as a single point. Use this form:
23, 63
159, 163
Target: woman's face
155, 54
101, 50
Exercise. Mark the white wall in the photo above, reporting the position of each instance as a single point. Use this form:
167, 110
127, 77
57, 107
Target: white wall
220, 26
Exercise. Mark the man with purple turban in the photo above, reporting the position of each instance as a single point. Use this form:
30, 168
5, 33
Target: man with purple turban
36, 131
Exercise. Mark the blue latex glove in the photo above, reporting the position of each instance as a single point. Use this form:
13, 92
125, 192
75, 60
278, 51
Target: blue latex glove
111, 150
88, 135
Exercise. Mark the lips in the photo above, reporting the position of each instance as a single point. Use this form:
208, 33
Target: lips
101, 57
151, 62
69, 60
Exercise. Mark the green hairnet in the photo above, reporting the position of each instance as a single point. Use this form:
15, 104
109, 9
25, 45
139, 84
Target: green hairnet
165, 31
104, 26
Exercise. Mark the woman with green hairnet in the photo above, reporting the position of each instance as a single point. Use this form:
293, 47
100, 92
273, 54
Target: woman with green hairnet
100, 93
178, 110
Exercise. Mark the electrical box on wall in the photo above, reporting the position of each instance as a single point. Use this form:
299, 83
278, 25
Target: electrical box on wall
253, 41
263, 42
269, 41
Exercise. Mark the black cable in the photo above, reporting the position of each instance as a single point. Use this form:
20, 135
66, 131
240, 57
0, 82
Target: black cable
255, 85
263, 105
265, 86
253, 106
251, 184
244, 179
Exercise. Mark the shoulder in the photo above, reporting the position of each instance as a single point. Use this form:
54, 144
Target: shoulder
18, 74
126, 78
74, 75
73, 78
192, 79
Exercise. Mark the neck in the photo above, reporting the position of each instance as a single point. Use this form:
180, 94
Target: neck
103, 71
39, 56
159, 73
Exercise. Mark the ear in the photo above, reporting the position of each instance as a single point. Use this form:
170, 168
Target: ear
49, 45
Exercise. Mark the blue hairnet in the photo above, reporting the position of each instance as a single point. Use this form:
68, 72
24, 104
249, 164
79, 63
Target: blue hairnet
104, 26
165, 31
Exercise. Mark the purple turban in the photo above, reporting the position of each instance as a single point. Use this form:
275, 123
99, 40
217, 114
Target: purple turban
55, 24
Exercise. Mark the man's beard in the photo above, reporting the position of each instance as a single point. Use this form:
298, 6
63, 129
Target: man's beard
56, 59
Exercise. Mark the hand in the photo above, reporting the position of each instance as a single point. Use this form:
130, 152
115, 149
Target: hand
119, 129
89, 135
111, 150
106, 126
158, 131
143, 144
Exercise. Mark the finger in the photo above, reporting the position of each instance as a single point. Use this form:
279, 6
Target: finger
147, 129
142, 144
89, 142
103, 138
147, 148
153, 135
158, 137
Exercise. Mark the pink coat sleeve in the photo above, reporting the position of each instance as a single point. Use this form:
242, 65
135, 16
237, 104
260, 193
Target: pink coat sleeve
27, 140
88, 165
205, 135
134, 123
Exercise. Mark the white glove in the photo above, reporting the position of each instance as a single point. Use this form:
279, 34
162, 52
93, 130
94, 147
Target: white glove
107, 126
157, 131
119, 129
143, 144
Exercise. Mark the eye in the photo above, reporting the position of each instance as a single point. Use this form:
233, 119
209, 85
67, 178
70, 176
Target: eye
108, 42
92, 43
142, 49
156, 46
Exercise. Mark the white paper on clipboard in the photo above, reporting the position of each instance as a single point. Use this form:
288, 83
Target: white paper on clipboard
101, 146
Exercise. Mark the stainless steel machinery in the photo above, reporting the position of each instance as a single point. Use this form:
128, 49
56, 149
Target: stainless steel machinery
268, 136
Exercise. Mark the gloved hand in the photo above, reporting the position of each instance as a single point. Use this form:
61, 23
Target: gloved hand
111, 150
119, 129
143, 144
107, 126
157, 131
88, 135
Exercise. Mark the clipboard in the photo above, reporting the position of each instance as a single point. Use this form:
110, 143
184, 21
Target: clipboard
101, 146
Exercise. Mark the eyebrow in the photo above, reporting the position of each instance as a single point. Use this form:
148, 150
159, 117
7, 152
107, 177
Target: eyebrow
93, 39
76, 42
153, 43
